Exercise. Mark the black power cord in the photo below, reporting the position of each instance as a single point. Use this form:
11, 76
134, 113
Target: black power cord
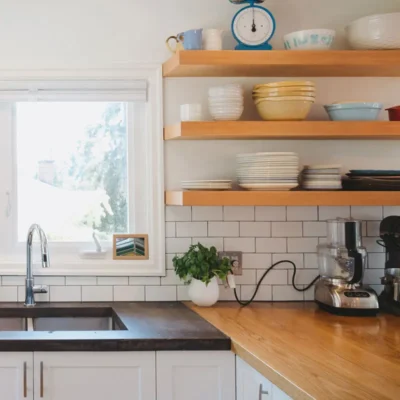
246, 303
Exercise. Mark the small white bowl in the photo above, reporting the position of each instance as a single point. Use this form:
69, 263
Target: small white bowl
311, 39
226, 90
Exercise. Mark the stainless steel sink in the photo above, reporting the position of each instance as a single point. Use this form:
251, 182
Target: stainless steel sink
75, 324
13, 324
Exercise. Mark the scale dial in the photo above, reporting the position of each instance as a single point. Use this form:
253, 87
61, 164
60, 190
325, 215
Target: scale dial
253, 26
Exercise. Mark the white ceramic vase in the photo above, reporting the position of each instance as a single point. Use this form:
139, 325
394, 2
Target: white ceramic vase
202, 295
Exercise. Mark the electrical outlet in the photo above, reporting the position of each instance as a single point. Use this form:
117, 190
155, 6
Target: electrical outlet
236, 260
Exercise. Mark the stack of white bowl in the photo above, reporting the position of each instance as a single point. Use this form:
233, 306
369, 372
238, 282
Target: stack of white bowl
207, 185
226, 103
268, 171
322, 177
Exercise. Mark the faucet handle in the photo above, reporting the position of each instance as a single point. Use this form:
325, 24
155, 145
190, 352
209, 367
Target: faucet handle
40, 289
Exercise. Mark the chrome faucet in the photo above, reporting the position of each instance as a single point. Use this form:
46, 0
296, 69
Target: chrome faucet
30, 288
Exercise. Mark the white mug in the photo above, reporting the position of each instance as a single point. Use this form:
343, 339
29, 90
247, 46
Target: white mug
212, 39
191, 112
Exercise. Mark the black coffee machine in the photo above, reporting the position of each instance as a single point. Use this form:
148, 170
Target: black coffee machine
389, 299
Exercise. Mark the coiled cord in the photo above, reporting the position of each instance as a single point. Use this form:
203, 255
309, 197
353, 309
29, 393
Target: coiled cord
246, 303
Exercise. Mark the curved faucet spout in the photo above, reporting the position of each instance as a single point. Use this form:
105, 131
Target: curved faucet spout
30, 289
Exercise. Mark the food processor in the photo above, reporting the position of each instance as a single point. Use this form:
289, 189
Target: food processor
341, 262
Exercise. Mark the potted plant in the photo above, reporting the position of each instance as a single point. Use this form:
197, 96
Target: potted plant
200, 267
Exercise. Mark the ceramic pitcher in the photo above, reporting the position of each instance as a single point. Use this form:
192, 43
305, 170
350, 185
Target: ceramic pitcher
212, 39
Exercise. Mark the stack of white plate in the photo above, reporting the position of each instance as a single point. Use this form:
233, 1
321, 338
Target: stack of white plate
322, 177
267, 171
207, 185
226, 103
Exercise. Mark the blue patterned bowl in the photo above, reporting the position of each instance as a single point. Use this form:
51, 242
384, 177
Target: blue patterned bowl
353, 111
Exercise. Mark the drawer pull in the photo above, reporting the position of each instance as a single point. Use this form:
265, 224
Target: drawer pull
41, 379
262, 392
25, 381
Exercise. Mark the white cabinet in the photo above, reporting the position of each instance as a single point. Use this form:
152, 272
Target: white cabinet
100, 376
251, 385
195, 375
16, 376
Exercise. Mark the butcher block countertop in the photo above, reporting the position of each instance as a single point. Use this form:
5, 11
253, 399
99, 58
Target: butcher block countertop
311, 354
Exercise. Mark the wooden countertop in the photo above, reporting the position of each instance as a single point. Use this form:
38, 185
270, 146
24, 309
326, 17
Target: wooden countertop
311, 354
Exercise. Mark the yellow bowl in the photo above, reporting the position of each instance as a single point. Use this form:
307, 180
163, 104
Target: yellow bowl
284, 84
286, 91
287, 110
283, 95
285, 99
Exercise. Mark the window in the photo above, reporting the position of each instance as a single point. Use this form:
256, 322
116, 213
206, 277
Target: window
82, 158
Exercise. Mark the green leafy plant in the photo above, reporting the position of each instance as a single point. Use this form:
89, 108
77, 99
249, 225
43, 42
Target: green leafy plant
201, 263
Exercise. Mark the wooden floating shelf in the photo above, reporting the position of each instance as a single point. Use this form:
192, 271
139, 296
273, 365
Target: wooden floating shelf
306, 130
282, 63
289, 198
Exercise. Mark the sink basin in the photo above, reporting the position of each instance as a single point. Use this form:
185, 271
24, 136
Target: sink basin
77, 324
12, 324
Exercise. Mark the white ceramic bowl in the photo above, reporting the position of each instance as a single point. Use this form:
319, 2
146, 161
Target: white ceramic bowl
226, 114
375, 32
311, 39
231, 89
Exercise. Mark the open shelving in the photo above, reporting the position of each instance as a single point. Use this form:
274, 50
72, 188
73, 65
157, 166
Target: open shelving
307, 130
288, 198
282, 63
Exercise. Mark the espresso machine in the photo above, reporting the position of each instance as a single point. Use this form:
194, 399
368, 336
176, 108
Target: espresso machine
389, 299
341, 263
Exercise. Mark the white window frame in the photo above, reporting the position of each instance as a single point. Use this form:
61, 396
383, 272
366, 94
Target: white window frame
153, 191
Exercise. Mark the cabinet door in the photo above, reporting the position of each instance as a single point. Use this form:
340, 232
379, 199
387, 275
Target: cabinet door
195, 375
250, 384
16, 376
100, 376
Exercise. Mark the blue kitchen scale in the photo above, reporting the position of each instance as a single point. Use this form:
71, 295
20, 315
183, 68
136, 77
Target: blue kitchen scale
253, 26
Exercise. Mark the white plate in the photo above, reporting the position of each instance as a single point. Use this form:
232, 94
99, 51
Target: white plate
269, 186
273, 153
210, 181
319, 183
321, 166
321, 172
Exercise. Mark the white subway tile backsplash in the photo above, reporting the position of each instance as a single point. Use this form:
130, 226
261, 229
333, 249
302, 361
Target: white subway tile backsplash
309, 295
287, 229
373, 228
169, 264
170, 229
373, 276
370, 243
190, 229
13, 280
65, 293
303, 276
311, 261
177, 245
227, 294
160, 293
256, 261
223, 229
255, 229
286, 293
302, 213
264, 293
270, 245
144, 280
81, 280
39, 297
243, 213
295, 258
274, 277
248, 277
112, 280
246, 245
218, 243
8, 293
333, 212
275, 213
171, 279
50, 280
178, 213
182, 292
367, 213
97, 293
305, 245
391, 210
314, 229
128, 293
376, 260
207, 213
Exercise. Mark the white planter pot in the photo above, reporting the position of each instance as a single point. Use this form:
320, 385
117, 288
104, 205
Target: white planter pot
202, 295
